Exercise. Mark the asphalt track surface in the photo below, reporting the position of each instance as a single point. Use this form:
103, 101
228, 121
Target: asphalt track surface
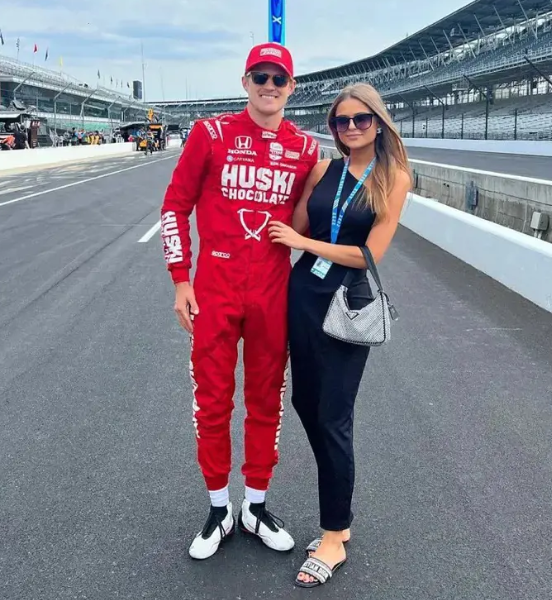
100, 494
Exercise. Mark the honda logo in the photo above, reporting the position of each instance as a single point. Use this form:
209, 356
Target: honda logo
244, 142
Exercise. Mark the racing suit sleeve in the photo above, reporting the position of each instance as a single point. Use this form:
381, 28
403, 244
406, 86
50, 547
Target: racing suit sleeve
183, 193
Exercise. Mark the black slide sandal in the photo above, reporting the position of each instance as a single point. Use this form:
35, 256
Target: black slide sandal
322, 573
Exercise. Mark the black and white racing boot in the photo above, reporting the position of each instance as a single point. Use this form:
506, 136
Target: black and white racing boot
219, 526
255, 519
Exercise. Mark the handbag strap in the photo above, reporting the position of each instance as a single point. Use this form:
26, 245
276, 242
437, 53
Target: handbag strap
370, 265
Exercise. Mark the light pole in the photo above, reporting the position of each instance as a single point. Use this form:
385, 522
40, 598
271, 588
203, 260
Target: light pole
143, 75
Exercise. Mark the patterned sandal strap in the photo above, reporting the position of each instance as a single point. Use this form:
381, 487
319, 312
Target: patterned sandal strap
317, 569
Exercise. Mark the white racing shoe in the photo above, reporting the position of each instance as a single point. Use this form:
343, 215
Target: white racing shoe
218, 527
256, 520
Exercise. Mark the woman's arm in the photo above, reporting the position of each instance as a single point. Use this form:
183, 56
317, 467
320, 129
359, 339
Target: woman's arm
300, 215
378, 240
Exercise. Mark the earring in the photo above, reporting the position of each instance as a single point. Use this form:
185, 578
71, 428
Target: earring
378, 130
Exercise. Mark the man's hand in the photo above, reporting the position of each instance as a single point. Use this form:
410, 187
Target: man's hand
185, 305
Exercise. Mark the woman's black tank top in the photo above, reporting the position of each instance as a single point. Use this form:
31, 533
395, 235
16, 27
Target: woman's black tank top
355, 227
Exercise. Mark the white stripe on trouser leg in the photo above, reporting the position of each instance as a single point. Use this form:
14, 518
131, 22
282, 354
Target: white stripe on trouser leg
281, 412
195, 405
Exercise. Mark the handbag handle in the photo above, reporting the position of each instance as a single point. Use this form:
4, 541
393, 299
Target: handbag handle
370, 265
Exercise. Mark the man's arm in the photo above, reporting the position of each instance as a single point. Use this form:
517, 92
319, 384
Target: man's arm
181, 196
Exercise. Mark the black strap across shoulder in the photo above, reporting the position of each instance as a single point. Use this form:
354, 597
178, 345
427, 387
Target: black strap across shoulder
370, 265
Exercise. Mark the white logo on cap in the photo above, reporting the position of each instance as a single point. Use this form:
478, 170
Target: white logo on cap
271, 52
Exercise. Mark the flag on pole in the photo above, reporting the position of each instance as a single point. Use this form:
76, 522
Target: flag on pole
46, 55
61, 61
35, 49
1, 37
18, 44
99, 74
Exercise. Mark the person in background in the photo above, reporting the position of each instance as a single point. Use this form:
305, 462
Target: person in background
238, 171
348, 202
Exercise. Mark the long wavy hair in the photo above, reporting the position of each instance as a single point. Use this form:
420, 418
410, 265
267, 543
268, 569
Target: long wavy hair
391, 153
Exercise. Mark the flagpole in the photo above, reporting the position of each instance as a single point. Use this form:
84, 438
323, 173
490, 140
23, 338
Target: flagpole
143, 74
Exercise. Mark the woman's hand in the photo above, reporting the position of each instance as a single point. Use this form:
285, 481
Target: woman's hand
281, 233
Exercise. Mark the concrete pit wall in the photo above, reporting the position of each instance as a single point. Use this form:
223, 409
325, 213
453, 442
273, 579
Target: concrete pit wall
507, 201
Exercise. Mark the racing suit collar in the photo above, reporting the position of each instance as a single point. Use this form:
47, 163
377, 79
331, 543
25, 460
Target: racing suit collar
261, 131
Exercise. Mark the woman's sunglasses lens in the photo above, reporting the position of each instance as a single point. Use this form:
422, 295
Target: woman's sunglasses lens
340, 123
362, 121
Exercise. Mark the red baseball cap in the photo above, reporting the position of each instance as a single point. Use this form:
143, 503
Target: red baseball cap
270, 53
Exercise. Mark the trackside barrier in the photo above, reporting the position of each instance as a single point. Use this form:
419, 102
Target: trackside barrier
16, 159
520, 262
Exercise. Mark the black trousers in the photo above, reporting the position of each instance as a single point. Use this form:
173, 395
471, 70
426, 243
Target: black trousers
326, 376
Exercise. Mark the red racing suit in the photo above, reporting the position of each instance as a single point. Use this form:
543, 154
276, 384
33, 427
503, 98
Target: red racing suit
239, 177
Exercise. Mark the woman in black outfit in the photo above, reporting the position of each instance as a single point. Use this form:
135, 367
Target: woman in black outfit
348, 202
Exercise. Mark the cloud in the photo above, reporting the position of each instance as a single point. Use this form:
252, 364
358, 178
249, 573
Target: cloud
197, 48
178, 33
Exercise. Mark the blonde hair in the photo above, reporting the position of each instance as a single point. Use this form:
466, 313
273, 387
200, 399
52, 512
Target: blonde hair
391, 153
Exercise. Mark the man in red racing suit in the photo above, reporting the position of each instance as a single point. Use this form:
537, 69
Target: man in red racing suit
239, 172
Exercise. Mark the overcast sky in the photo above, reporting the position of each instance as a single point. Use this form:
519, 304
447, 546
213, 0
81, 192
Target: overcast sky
197, 48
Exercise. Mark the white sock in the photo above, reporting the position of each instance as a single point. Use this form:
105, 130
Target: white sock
254, 496
220, 498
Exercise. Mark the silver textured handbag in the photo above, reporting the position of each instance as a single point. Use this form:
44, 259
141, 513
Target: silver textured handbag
368, 326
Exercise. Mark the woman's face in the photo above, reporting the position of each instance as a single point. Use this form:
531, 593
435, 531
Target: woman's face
358, 133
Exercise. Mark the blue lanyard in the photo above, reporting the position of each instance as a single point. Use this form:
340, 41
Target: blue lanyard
337, 220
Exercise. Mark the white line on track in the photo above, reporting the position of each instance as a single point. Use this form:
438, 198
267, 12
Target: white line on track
150, 233
68, 185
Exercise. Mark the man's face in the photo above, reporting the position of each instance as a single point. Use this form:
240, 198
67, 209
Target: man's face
265, 96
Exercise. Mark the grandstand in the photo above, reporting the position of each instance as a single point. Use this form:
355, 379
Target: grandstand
62, 102
481, 72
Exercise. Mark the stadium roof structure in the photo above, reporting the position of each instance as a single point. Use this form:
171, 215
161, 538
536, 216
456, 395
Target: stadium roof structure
477, 19
19, 72
482, 17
